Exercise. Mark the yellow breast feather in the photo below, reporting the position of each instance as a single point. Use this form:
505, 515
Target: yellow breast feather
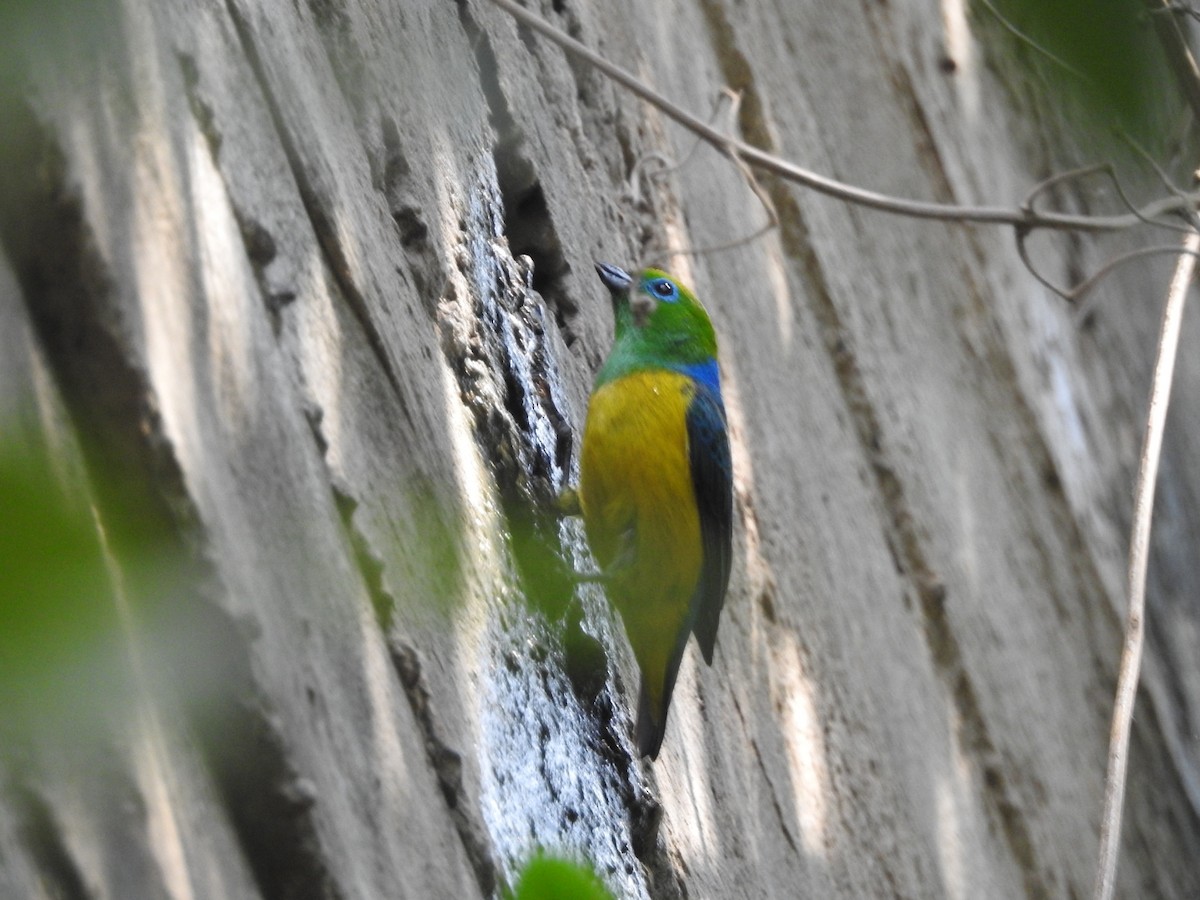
640, 509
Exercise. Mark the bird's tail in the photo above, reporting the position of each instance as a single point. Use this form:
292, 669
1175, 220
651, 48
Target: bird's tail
651, 722
654, 701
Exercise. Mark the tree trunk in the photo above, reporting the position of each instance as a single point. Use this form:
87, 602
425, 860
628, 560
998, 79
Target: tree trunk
301, 298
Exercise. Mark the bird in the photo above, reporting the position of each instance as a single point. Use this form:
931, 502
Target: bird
656, 482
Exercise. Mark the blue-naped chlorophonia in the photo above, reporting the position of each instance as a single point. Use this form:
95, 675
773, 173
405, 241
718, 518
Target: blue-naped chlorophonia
656, 485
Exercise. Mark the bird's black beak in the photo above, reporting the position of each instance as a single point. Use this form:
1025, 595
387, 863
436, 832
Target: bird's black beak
616, 279
618, 282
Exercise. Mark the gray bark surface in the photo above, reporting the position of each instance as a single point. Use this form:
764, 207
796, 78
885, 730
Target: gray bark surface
302, 295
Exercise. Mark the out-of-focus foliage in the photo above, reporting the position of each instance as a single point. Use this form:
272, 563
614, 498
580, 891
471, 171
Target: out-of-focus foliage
550, 878
57, 617
1105, 55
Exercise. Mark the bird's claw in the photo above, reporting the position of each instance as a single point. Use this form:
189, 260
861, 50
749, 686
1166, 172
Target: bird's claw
567, 503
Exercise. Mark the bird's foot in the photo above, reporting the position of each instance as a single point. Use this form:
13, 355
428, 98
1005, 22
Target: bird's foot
567, 503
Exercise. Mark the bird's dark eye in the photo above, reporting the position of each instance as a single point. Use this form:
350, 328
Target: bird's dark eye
665, 288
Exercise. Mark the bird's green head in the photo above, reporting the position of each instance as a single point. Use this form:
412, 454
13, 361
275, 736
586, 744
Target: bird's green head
659, 323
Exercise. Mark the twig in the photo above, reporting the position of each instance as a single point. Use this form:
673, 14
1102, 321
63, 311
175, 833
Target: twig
759, 159
1139, 549
1059, 177
1073, 294
1023, 37
636, 173
1183, 9
1107, 169
1193, 223
668, 165
1081, 290
1179, 56
730, 151
763, 197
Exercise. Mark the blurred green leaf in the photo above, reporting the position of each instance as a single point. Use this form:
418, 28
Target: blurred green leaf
550, 878
1106, 54
56, 608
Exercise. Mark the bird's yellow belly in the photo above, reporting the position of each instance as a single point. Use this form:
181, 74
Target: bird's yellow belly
639, 504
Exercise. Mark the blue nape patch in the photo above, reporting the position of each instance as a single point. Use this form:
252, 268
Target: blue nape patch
706, 373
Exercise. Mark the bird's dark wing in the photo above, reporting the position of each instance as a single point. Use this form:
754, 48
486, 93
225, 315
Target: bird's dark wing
712, 481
